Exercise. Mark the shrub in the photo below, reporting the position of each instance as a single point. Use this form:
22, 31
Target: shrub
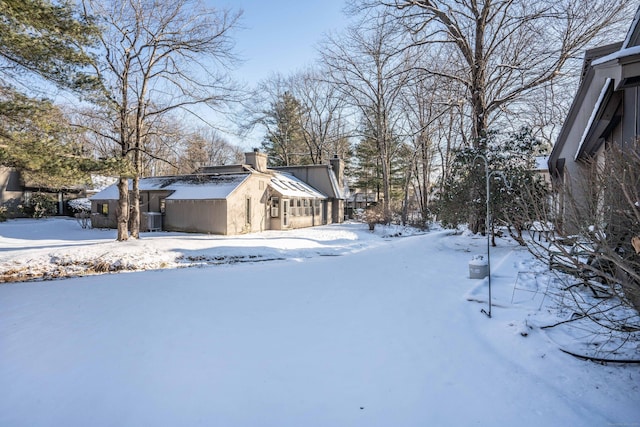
39, 205
374, 215
81, 209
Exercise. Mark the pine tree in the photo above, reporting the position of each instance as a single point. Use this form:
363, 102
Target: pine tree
368, 173
36, 138
39, 38
284, 141
511, 199
46, 39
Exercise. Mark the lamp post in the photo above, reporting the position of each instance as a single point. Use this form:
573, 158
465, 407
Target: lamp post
488, 176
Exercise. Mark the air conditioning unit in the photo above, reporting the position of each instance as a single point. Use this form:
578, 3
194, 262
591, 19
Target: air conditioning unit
152, 221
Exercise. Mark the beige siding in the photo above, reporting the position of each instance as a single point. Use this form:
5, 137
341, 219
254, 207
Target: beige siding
100, 220
151, 200
254, 192
196, 216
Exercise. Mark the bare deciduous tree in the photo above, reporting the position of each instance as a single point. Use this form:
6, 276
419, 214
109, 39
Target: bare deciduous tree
431, 109
504, 54
155, 57
595, 242
205, 147
302, 116
324, 127
276, 110
369, 66
505, 49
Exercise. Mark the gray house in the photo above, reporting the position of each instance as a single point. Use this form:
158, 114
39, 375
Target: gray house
605, 111
232, 199
16, 189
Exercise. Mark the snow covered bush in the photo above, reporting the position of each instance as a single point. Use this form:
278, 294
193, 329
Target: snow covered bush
463, 196
80, 205
81, 209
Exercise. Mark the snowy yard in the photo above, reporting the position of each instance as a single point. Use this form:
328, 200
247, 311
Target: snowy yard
331, 326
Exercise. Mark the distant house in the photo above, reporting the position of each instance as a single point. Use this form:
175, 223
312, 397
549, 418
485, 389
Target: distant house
542, 168
359, 201
15, 190
233, 199
605, 110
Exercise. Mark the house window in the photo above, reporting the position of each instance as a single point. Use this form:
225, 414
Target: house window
294, 210
299, 201
103, 209
306, 207
275, 204
247, 210
316, 207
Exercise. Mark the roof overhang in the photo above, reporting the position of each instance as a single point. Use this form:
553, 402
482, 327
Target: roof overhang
604, 117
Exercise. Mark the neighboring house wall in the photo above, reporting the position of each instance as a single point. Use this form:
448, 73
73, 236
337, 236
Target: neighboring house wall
11, 190
14, 192
605, 111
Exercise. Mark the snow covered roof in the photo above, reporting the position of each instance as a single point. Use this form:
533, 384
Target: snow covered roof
542, 163
622, 53
215, 187
188, 187
362, 197
100, 182
290, 186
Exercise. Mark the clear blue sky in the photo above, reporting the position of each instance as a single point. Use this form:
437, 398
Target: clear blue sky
277, 36
281, 35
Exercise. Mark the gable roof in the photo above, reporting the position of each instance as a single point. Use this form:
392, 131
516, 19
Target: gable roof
288, 185
213, 186
606, 70
187, 187
321, 176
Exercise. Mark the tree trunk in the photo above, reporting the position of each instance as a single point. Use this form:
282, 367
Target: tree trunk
123, 209
135, 208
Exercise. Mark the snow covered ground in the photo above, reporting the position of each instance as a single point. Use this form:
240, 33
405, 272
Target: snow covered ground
342, 327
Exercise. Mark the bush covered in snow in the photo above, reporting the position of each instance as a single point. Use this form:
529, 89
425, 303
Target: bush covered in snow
80, 205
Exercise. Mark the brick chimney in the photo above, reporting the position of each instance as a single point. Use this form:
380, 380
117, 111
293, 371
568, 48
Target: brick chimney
338, 169
256, 160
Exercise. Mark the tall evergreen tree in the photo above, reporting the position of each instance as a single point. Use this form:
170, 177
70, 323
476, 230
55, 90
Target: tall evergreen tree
46, 39
36, 138
41, 39
284, 140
